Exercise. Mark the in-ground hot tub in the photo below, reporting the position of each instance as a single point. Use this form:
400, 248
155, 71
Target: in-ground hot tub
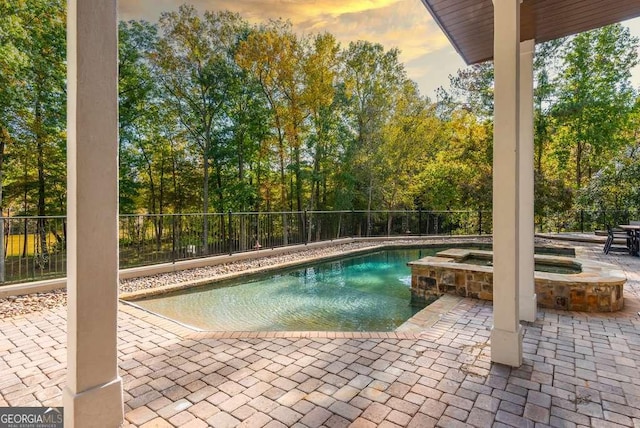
584, 285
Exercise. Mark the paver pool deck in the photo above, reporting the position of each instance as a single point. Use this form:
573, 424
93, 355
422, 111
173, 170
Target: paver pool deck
579, 369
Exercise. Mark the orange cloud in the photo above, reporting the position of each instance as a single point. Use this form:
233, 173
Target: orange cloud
295, 10
404, 24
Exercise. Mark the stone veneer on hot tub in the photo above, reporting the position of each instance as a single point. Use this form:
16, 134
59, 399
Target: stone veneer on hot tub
597, 288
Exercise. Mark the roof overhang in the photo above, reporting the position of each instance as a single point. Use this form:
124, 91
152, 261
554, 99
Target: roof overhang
469, 23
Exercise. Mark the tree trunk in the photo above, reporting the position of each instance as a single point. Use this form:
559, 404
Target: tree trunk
219, 187
4, 136
42, 233
298, 179
283, 189
160, 223
176, 221
579, 165
369, 202
205, 201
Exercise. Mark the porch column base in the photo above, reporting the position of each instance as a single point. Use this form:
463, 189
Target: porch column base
528, 307
506, 346
97, 407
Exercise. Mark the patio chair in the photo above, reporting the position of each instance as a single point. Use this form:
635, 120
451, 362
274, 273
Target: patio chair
614, 236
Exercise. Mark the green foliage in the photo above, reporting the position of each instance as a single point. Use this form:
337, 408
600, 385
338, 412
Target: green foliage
219, 114
458, 176
137, 40
617, 185
594, 98
32, 106
583, 119
371, 81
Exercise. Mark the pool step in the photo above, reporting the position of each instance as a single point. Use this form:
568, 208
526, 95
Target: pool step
430, 315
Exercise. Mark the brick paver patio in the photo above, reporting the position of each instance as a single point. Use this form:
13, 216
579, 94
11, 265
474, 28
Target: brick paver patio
579, 370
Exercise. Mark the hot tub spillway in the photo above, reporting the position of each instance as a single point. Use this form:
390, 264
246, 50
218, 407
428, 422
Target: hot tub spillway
592, 287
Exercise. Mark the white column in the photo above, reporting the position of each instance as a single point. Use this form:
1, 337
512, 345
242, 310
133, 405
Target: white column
528, 299
506, 335
93, 393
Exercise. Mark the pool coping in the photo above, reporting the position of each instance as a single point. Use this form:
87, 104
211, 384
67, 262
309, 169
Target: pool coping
592, 271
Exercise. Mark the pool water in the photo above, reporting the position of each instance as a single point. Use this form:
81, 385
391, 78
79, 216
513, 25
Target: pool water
371, 292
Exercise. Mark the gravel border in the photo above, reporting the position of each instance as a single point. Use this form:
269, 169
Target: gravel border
14, 306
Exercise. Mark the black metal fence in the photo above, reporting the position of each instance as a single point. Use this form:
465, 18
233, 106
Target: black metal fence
584, 221
148, 239
33, 248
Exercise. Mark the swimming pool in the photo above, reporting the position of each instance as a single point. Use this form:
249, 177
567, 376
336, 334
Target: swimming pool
370, 292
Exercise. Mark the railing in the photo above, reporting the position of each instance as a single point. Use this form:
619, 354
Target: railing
33, 248
149, 239
584, 221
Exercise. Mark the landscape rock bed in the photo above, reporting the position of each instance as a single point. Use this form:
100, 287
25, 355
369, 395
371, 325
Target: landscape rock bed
14, 306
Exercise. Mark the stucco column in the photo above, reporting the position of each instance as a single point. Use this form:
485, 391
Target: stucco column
528, 299
93, 393
506, 334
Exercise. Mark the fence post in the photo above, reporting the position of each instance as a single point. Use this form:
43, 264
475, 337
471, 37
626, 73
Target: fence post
304, 227
353, 224
173, 238
2, 255
581, 221
480, 221
388, 225
230, 235
420, 221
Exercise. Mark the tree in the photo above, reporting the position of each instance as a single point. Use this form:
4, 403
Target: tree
12, 62
245, 133
458, 172
194, 59
370, 78
546, 66
617, 184
321, 73
33, 103
595, 97
138, 92
274, 56
470, 89
407, 143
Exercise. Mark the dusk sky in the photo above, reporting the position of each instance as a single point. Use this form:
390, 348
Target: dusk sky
406, 24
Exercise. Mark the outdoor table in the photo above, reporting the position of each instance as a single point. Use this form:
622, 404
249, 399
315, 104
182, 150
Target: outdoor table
633, 231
